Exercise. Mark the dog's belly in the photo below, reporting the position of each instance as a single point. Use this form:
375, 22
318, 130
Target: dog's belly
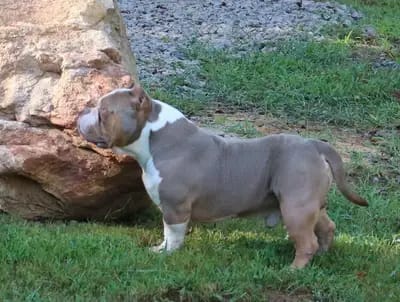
210, 210
234, 184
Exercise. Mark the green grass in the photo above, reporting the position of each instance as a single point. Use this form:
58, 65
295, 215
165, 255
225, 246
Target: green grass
236, 259
331, 82
326, 82
308, 81
239, 260
383, 15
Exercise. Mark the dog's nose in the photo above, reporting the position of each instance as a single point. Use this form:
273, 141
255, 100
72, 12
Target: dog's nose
84, 121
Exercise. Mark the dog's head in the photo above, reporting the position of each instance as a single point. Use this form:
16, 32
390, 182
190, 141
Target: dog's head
118, 118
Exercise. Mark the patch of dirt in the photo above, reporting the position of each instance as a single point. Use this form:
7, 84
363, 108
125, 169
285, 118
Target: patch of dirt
345, 140
276, 296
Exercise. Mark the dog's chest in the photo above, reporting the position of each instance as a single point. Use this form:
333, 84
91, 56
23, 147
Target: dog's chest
151, 180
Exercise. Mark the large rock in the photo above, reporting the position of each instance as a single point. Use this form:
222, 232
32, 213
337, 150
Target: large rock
56, 57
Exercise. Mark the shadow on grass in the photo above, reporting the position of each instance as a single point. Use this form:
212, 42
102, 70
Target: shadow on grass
236, 259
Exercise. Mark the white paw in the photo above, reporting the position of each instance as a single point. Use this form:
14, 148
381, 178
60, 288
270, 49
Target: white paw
159, 248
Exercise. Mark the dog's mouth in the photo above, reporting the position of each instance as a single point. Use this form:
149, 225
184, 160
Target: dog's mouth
102, 145
88, 128
99, 142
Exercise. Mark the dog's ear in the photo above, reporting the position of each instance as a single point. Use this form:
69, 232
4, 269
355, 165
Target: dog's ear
140, 97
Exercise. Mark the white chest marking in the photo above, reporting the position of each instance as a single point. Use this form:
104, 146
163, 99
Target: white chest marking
140, 150
151, 180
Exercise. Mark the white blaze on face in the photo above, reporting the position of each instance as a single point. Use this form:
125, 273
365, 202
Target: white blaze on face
117, 91
140, 149
87, 121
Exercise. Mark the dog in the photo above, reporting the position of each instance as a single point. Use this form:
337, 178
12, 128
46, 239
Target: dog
192, 175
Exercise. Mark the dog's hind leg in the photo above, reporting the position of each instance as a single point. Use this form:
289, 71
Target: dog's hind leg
325, 231
300, 220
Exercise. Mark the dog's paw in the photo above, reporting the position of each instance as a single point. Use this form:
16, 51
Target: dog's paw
159, 248
322, 249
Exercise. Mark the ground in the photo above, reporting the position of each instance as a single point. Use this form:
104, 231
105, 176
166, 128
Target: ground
344, 89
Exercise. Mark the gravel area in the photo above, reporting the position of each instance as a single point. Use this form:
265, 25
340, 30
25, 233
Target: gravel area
160, 30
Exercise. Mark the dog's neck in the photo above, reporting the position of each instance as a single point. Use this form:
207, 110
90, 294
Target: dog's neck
140, 149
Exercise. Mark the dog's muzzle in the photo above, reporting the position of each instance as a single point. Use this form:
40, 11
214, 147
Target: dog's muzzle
89, 127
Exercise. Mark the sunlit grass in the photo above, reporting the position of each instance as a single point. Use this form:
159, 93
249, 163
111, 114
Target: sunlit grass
239, 260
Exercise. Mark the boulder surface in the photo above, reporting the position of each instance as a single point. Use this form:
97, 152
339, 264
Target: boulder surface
56, 57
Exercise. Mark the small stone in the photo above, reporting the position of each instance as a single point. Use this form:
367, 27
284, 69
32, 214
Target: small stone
179, 55
346, 23
370, 33
254, 24
375, 180
160, 6
356, 15
259, 123
326, 17
222, 43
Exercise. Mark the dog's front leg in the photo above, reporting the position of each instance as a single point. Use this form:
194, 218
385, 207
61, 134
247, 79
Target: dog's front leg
174, 235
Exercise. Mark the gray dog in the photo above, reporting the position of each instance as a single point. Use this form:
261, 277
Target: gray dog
193, 175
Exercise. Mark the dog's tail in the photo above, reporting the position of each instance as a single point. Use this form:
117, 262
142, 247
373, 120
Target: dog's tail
336, 164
